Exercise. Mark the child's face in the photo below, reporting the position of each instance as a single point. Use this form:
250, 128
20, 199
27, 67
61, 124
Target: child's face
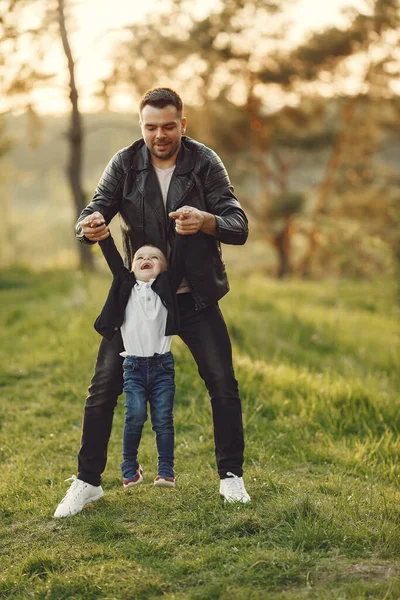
148, 262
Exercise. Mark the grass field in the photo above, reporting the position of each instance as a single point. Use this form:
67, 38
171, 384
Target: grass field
318, 369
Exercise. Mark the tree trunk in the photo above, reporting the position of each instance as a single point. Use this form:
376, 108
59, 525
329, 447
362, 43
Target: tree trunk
282, 242
279, 176
304, 269
75, 138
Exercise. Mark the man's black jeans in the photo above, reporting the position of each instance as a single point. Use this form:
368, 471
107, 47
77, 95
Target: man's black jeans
205, 333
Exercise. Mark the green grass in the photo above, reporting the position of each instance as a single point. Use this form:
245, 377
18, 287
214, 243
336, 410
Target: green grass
317, 365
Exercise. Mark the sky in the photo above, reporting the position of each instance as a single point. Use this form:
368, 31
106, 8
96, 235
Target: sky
96, 29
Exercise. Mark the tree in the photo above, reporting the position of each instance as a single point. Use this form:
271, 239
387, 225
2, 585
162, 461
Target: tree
22, 73
75, 135
19, 75
18, 78
5, 146
353, 172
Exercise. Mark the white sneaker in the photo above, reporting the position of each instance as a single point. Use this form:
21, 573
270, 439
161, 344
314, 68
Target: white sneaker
79, 494
232, 489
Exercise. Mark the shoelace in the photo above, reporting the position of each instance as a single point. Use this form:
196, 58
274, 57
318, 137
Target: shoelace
74, 480
235, 484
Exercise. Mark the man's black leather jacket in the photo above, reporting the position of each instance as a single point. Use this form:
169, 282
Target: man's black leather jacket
129, 186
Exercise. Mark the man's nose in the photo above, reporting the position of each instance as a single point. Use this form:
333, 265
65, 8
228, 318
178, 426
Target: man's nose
160, 133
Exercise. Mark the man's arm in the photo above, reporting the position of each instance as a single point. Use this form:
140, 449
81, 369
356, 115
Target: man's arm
91, 225
225, 219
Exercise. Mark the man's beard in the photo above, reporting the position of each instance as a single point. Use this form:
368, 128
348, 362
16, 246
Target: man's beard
161, 155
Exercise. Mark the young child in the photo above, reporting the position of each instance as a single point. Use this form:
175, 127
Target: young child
142, 304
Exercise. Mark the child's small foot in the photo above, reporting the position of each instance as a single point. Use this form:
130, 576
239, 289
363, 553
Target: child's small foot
131, 481
161, 481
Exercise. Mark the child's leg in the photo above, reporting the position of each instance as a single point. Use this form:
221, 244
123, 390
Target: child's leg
161, 409
135, 414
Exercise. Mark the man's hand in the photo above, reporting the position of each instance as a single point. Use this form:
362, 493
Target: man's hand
190, 220
94, 228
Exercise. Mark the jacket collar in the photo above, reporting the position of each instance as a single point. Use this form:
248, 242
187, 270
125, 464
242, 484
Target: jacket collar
184, 160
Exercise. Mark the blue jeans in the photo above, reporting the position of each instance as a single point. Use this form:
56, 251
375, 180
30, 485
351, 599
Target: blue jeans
149, 378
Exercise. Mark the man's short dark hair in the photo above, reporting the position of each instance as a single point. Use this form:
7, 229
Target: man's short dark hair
160, 98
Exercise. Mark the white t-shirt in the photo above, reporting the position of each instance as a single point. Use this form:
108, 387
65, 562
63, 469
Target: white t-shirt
164, 179
143, 329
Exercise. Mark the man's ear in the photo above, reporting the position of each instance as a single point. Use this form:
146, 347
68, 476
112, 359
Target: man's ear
183, 124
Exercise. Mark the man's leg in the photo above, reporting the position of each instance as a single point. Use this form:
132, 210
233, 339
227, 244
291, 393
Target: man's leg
106, 386
206, 335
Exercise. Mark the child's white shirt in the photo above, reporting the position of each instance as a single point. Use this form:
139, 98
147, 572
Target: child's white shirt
143, 329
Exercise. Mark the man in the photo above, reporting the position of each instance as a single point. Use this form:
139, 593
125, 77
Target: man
162, 184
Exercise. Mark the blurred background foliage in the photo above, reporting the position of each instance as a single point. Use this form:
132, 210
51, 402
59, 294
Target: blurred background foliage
309, 131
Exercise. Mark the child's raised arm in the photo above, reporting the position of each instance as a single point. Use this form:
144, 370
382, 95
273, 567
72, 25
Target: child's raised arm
113, 257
